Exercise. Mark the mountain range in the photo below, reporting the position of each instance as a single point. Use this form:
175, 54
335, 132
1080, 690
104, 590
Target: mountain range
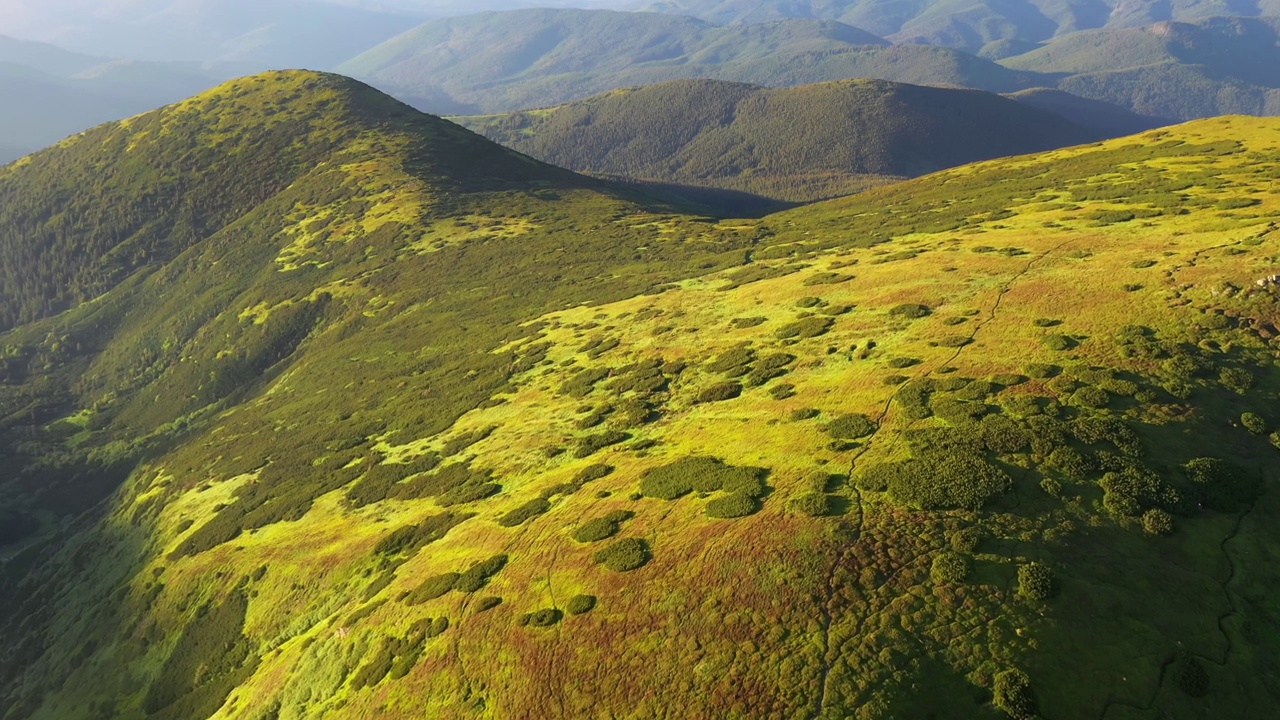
312, 405
792, 144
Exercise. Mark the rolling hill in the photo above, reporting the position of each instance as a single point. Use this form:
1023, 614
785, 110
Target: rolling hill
501, 62
792, 144
358, 414
968, 26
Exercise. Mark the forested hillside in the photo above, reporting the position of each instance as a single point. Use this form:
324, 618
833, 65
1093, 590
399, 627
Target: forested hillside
793, 144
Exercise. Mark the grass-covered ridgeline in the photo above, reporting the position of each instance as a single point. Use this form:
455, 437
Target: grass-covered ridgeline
437, 430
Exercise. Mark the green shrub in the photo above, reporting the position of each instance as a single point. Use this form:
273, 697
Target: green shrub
543, 618
1008, 379
432, 588
1237, 379
732, 360
592, 472
851, 427
477, 576
1157, 522
895, 379
1042, 371
719, 392
1047, 322
701, 473
732, 505
1090, 397
1069, 462
603, 527
1221, 485
1056, 342
624, 555
471, 492
805, 328
1036, 581
903, 362
808, 302
520, 515
1191, 677
912, 311
1004, 435
942, 480
948, 568
782, 391
579, 604
1254, 423
1012, 694
957, 412
592, 444
952, 341
487, 603
1132, 490
805, 414
966, 540
826, 278
815, 504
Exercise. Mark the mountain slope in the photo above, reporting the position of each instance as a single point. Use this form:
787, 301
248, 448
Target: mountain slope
45, 58
796, 144
436, 430
499, 62
966, 25
1104, 118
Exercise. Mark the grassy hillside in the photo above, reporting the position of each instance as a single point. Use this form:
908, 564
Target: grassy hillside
794, 144
500, 62
435, 430
966, 25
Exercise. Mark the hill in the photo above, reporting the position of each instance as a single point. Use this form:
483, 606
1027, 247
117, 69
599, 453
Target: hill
1103, 118
250, 34
793, 144
45, 58
408, 425
501, 62
968, 26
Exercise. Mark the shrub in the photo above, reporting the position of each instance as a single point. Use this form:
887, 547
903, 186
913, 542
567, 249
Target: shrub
826, 278
732, 505
1254, 423
912, 311
719, 392
1056, 342
592, 472
520, 515
1191, 678
782, 391
815, 504
1036, 581
624, 555
806, 328
966, 540
808, 302
850, 427
1003, 435
805, 414
1012, 694
1237, 379
903, 362
477, 576
602, 528
1069, 462
432, 588
701, 473
487, 603
579, 604
732, 360
1047, 322
591, 444
1051, 486
1008, 379
545, 617
1157, 522
1221, 485
942, 480
948, 568
1090, 397
1042, 371
1132, 490
953, 341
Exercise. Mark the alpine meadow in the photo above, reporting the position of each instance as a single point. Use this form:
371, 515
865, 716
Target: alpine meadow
701, 376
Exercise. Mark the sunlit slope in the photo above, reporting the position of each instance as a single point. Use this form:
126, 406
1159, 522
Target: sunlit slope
797, 144
1002, 425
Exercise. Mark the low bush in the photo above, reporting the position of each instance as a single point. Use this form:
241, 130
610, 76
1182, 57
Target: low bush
1036, 581
826, 278
1042, 371
579, 604
477, 576
1012, 694
525, 512
851, 427
805, 328
805, 414
624, 555
1056, 342
730, 361
782, 391
948, 568
1238, 380
815, 504
903, 362
592, 444
1219, 484
703, 474
732, 505
1254, 423
719, 392
911, 311
543, 618
603, 527
432, 588
1191, 678
1090, 397
1157, 522
966, 540
487, 603
943, 480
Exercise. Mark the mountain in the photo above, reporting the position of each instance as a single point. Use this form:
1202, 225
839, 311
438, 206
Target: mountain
355, 413
45, 58
257, 34
1103, 118
964, 25
501, 62
793, 144
1178, 70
